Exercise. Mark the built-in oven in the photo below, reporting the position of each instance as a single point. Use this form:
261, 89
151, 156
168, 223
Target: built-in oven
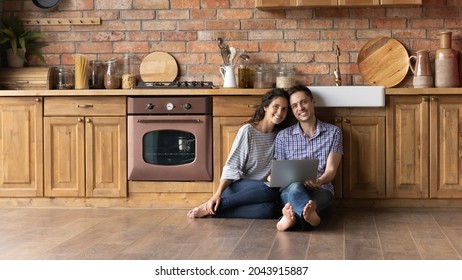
169, 138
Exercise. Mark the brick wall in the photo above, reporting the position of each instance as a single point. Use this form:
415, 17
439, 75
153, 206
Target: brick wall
305, 38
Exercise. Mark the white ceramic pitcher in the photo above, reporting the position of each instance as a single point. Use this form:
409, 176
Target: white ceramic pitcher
229, 78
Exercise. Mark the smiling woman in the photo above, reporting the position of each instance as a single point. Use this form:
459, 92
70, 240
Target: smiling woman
46, 4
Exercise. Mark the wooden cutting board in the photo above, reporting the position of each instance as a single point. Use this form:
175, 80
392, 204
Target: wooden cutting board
383, 61
158, 67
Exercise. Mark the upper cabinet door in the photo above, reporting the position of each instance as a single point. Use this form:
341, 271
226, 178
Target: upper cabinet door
358, 2
401, 2
275, 3
317, 3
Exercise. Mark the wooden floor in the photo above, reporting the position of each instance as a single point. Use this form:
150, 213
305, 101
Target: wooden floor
354, 234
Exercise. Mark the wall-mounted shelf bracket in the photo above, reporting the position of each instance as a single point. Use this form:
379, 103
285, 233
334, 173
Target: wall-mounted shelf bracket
62, 21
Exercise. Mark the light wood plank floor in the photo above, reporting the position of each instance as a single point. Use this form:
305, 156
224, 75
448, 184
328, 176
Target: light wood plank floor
352, 233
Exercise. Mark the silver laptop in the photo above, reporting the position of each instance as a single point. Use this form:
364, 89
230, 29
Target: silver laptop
285, 172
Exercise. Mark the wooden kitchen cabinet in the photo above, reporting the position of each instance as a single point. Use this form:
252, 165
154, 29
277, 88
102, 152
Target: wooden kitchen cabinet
358, 2
85, 147
229, 114
424, 134
281, 4
21, 151
361, 174
316, 3
400, 2
276, 3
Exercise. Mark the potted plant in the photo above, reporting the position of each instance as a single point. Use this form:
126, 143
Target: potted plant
20, 42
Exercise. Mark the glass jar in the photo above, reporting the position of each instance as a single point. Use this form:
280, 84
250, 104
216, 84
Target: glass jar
285, 77
128, 72
112, 79
96, 80
263, 77
64, 78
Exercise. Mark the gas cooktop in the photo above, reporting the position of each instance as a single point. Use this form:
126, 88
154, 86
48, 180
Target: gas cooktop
176, 84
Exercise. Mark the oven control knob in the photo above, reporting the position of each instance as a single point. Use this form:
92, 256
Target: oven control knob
169, 106
149, 106
187, 106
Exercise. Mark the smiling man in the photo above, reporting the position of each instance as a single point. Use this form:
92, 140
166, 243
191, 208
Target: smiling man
306, 203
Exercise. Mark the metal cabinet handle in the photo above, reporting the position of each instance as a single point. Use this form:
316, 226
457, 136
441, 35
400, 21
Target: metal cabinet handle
38, 99
347, 121
79, 119
85, 105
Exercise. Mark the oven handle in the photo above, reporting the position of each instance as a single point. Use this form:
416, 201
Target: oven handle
169, 121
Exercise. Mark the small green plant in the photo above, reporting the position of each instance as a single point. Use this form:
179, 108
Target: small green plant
13, 33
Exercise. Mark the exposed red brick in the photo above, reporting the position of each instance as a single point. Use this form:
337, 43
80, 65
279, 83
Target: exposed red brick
179, 36
389, 23
214, 4
258, 24
284, 46
185, 4
203, 14
188, 29
235, 14
149, 4
172, 14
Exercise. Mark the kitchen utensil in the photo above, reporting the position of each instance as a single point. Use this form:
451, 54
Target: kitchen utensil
46, 4
232, 54
383, 61
420, 67
158, 67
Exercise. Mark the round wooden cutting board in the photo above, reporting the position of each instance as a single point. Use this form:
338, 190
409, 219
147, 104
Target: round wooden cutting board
158, 67
383, 61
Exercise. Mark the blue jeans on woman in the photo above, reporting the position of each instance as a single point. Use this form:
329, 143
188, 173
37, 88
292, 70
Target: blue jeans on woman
249, 199
298, 196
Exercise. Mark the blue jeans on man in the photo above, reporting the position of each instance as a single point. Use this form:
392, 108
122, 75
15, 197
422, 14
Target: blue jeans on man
298, 196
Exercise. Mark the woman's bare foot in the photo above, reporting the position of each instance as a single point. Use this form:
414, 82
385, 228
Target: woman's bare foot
198, 212
310, 215
288, 219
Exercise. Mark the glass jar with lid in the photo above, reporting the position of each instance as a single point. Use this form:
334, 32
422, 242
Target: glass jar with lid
285, 77
64, 78
263, 77
112, 79
96, 80
128, 72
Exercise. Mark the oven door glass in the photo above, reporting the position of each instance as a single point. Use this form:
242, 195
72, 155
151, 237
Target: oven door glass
169, 147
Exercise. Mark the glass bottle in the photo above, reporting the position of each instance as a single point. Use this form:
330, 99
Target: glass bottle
112, 79
96, 80
128, 73
446, 63
285, 77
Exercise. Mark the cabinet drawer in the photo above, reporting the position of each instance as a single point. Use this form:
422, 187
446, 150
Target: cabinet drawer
235, 106
85, 106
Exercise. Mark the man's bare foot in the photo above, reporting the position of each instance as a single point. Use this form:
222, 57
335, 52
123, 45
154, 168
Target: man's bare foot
288, 219
310, 215
198, 212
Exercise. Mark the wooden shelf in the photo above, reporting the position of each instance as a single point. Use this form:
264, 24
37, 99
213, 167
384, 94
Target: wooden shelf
62, 21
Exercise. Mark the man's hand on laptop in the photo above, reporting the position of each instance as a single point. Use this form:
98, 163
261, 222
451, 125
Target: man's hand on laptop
313, 185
